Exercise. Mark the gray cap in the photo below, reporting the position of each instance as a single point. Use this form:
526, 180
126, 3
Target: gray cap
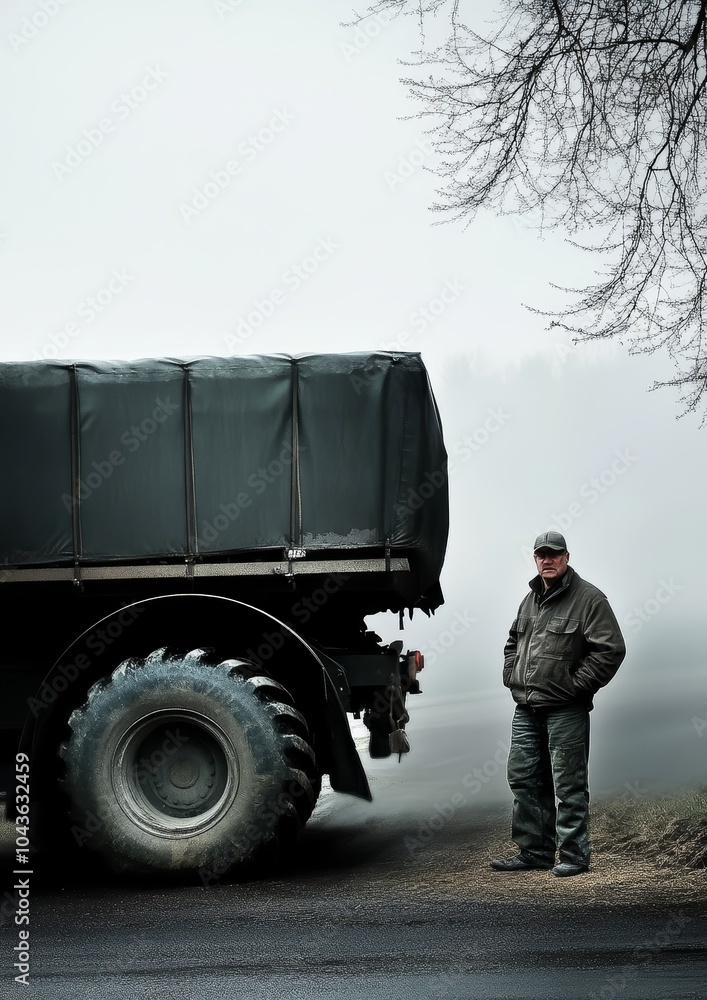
550, 540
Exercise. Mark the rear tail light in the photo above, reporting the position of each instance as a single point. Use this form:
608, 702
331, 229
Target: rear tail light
416, 662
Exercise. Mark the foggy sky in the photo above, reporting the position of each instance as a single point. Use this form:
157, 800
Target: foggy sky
194, 178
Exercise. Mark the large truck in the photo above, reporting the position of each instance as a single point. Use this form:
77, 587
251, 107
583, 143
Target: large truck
189, 549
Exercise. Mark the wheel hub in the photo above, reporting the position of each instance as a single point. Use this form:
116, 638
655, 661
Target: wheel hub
185, 773
176, 773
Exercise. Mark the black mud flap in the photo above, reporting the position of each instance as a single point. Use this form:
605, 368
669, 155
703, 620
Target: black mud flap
346, 773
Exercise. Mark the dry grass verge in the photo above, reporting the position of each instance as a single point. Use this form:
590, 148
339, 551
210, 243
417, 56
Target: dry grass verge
671, 830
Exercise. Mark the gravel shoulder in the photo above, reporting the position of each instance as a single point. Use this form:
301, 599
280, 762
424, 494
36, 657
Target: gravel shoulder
421, 848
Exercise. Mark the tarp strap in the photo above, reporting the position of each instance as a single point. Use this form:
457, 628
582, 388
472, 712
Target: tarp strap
74, 429
190, 476
295, 483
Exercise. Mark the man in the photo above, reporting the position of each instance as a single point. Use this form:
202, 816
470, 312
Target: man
564, 645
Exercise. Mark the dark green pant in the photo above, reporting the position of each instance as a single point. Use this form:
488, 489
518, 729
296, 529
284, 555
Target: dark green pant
547, 773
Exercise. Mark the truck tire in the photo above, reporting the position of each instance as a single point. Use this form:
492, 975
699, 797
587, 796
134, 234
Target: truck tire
179, 763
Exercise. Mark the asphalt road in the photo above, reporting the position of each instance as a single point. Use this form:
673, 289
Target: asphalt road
392, 899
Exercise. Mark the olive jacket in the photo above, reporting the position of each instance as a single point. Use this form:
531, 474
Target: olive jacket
563, 646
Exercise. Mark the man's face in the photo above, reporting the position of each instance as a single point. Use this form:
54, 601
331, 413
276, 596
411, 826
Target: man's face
551, 565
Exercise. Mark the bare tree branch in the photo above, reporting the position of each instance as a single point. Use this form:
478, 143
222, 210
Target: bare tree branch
590, 117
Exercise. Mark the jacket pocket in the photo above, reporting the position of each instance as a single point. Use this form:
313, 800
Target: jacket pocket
521, 626
522, 631
560, 637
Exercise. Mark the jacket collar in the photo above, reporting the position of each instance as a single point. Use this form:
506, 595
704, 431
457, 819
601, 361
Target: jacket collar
536, 584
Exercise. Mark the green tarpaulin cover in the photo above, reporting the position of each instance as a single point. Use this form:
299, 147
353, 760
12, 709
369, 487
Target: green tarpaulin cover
234, 457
